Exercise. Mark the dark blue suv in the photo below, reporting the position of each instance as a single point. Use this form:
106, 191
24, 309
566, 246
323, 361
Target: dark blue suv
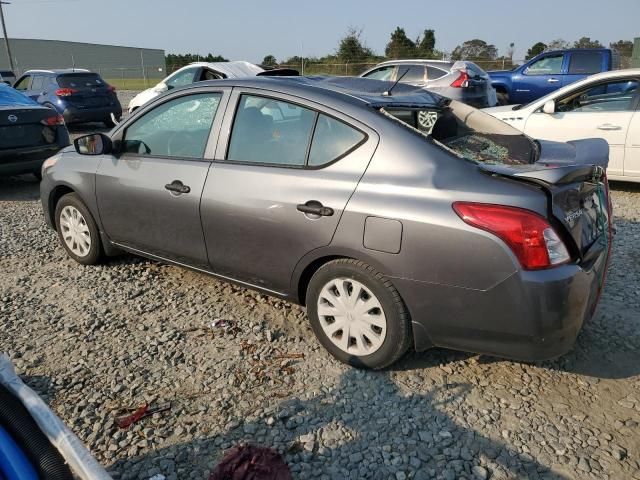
78, 95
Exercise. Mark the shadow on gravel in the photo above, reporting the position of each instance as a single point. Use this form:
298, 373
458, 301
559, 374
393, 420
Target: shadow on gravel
20, 188
364, 427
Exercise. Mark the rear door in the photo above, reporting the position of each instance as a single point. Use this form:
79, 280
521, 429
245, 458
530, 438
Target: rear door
603, 110
149, 196
540, 78
282, 177
582, 64
632, 151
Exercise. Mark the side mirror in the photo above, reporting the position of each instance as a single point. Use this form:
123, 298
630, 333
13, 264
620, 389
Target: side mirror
549, 107
161, 87
94, 144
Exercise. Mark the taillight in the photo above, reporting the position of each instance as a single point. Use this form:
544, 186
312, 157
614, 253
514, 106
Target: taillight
529, 236
111, 88
65, 92
462, 81
53, 120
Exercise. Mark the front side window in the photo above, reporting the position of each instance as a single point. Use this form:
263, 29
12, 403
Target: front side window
470, 133
384, 73
585, 63
180, 79
608, 97
550, 65
270, 131
23, 84
177, 128
331, 140
411, 73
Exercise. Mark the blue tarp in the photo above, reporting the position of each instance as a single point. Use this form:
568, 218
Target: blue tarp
10, 97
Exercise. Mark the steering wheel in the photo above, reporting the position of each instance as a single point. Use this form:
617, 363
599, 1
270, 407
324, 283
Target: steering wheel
185, 146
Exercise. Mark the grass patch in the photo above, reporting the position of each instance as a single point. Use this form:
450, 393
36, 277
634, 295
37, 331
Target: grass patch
132, 83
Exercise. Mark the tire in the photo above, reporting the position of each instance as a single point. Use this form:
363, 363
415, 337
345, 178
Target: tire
503, 98
381, 346
109, 123
81, 225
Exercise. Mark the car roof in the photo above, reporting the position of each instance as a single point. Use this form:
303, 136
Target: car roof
421, 61
355, 90
58, 71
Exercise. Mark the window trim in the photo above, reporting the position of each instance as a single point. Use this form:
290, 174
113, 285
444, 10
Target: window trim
306, 166
635, 101
121, 134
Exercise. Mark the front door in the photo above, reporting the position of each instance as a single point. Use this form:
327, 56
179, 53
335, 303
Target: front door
632, 152
598, 111
279, 188
537, 80
149, 196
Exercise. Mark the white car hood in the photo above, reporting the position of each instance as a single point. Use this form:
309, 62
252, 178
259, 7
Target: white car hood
499, 110
143, 97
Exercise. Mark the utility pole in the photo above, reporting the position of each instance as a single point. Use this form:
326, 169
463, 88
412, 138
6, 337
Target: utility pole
6, 37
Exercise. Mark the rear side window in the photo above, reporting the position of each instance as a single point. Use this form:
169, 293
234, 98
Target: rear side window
331, 140
38, 82
585, 63
86, 80
271, 132
178, 128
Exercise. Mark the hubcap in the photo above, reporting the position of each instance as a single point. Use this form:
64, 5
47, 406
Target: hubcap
427, 120
352, 317
75, 231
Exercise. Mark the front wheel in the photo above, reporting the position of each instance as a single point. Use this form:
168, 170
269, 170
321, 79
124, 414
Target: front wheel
77, 230
503, 98
358, 315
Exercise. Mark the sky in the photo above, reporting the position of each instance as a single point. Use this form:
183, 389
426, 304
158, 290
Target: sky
251, 29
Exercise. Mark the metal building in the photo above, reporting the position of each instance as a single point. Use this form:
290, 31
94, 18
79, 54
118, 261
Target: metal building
109, 60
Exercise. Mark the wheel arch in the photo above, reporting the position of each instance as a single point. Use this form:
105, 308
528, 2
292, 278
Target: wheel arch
56, 194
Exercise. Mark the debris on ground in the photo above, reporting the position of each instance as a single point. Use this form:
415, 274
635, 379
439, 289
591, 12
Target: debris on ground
144, 411
250, 462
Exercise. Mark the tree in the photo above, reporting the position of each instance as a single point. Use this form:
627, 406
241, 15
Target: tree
269, 61
175, 61
558, 44
426, 47
475, 49
586, 42
351, 48
536, 49
623, 47
400, 46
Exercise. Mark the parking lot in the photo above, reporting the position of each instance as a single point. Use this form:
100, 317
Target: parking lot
97, 341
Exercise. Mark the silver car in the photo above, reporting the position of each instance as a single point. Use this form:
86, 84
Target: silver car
462, 80
329, 193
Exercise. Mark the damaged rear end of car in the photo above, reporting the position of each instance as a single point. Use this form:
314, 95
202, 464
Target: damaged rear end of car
560, 251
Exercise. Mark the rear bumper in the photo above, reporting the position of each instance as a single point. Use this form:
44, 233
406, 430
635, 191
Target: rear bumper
25, 160
81, 115
530, 316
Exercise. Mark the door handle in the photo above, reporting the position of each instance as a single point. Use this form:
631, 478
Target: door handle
313, 207
553, 80
608, 126
177, 187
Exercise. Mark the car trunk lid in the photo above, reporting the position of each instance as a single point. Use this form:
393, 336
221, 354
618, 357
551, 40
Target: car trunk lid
24, 127
85, 90
573, 176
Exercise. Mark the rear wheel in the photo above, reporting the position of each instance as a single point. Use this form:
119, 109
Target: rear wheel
77, 230
357, 314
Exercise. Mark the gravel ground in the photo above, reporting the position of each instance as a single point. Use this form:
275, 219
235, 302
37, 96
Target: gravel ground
96, 341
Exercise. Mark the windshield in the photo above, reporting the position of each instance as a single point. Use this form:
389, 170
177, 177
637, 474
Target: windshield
470, 133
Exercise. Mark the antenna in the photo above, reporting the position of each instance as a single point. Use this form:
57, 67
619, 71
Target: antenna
388, 92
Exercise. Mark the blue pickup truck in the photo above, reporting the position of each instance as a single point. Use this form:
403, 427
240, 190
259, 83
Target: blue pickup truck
549, 71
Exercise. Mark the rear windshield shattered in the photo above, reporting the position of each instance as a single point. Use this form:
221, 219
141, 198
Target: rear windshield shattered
469, 133
88, 80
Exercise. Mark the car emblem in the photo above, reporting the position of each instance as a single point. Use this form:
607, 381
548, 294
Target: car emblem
12, 118
574, 215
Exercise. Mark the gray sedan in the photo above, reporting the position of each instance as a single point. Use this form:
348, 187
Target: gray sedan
462, 80
330, 193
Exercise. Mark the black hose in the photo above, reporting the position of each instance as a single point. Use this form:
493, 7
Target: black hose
44, 457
